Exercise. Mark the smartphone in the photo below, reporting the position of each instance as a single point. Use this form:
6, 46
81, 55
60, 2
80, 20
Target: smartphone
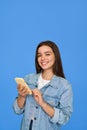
23, 83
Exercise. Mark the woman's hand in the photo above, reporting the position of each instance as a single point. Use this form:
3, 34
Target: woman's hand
38, 96
22, 90
39, 99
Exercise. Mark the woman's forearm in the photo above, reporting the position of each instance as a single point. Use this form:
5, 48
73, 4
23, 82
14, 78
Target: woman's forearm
48, 109
21, 101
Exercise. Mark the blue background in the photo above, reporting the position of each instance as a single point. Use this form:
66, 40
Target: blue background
23, 24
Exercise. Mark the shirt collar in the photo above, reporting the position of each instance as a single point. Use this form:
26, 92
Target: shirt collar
55, 81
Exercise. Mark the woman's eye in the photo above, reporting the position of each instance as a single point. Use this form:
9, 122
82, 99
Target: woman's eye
38, 55
48, 54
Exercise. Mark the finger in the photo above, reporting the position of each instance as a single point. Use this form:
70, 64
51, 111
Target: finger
23, 92
19, 87
35, 91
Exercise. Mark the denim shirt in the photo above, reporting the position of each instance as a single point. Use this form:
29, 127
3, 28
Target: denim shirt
57, 93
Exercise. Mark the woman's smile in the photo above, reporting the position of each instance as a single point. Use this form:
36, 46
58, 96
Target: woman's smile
46, 57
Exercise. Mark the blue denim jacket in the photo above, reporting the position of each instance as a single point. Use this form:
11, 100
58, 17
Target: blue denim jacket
57, 93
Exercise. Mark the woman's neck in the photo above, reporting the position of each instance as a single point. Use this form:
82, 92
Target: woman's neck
47, 75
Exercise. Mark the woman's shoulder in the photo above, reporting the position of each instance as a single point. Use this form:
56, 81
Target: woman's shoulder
62, 82
31, 77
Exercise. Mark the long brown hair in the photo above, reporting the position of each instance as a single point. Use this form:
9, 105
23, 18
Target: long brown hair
57, 67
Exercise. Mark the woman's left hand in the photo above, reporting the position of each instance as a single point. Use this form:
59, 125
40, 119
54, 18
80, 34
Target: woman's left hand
38, 96
39, 99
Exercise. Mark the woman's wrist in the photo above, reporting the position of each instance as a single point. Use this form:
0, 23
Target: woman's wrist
20, 96
48, 109
21, 101
43, 105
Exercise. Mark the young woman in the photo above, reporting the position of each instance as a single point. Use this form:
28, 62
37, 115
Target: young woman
50, 104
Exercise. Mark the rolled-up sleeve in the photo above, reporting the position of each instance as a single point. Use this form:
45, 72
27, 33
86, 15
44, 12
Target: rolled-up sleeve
55, 118
59, 117
16, 108
63, 111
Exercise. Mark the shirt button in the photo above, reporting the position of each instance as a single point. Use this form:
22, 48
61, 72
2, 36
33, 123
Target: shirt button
36, 107
34, 118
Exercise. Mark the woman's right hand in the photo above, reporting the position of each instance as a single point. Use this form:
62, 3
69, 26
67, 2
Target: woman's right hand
22, 90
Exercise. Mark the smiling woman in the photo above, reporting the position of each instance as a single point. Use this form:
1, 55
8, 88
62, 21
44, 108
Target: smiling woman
46, 59
53, 50
51, 99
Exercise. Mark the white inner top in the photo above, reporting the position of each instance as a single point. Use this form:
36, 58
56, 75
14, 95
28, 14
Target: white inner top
42, 82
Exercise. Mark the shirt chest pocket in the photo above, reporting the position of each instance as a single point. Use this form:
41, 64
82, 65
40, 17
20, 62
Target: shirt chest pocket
52, 100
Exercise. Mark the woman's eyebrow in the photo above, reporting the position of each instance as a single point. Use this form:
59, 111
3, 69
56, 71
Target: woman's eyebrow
48, 52
44, 52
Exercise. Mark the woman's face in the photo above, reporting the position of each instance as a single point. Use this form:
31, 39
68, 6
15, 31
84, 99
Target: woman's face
45, 57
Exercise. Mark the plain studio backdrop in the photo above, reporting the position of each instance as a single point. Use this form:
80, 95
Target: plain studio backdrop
25, 23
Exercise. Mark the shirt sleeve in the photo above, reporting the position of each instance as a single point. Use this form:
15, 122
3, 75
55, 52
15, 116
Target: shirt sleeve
55, 118
59, 117
16, 108
63, 111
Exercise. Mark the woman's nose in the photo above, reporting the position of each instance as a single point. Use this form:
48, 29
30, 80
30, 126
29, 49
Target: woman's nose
42, 57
